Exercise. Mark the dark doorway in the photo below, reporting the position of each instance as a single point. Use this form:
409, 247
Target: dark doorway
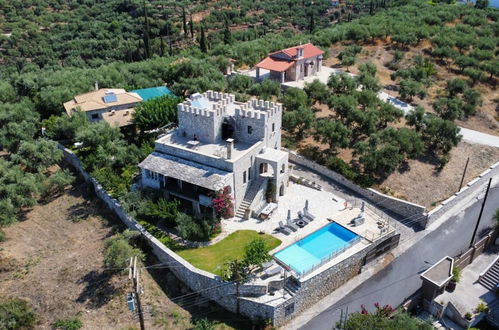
227, 131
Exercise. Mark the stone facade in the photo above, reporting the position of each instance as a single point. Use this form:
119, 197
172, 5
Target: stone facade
242, 139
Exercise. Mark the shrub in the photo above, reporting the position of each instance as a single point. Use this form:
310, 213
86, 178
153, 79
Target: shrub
256, 252
2, 236
16, 314
456, 274
58, 181
468, 316
156, 112
196, 229
337, 164
482, 307
162, 210
223, 203
117, 252
204, 324
68, 324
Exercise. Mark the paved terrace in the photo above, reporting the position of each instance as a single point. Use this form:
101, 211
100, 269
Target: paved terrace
468, 292
218, 150
326, 207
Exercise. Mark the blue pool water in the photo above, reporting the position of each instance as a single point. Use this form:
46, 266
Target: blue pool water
153, 92
309, 251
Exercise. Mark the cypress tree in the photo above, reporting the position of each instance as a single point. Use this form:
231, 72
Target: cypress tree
311, 27
227, 34
202, 41
184, 22
191, 26
147, 44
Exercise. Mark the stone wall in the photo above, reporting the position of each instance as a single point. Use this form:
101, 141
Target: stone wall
403, 209
205, 283
224, 293
473, 189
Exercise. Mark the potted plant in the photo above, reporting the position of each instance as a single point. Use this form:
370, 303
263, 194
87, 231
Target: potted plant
456, 277
270, 193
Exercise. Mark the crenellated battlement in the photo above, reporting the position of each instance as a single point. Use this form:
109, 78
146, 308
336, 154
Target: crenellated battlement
212, 104
258, 108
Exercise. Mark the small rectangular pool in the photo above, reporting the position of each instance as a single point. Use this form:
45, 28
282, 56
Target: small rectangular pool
316, 248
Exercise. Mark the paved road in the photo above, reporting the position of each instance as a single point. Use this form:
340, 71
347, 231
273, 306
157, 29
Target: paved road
400, 279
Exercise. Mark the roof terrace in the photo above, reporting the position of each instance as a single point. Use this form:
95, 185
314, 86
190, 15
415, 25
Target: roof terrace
175, 139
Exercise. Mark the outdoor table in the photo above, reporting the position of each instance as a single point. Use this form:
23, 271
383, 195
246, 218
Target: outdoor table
193, 143
267, 210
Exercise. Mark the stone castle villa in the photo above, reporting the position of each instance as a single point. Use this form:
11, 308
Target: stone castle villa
220, 143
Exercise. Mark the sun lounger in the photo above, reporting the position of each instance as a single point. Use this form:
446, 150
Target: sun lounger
309, 216
273, 271
268, 264
283, 228
291, 225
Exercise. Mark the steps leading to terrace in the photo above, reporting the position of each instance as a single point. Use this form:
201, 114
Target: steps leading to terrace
291, 287
250, 196
491, 277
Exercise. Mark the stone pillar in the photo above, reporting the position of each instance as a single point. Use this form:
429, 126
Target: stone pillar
282, 76
257, 73
196, 208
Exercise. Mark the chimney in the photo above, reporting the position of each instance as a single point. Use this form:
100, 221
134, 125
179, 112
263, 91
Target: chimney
299, 51
96, 86
230, 146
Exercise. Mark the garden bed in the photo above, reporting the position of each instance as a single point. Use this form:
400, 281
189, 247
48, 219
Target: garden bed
213, 257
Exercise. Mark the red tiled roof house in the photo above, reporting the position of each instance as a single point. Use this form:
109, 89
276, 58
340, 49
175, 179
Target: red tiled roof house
292, 64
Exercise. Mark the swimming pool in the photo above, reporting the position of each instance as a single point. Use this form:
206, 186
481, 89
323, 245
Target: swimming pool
317, 247
153, 92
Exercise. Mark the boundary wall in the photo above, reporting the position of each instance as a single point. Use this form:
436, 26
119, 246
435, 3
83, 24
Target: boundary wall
205, 283
412, 213
471, 190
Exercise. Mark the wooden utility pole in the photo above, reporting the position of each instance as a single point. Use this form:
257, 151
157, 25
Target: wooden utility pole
481, 212
134, 275
464, 173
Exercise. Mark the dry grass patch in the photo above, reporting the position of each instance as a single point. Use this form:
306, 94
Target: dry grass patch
421, 183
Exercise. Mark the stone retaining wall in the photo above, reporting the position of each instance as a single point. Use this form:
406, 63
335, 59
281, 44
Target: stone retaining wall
205, 283
473, 189
412, 212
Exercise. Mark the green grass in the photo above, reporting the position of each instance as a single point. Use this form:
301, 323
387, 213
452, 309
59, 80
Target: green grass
212, 258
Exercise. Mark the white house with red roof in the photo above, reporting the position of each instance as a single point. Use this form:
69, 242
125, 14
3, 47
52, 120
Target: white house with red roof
292, 64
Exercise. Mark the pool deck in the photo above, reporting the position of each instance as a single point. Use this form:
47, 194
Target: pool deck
322, 204
326, 207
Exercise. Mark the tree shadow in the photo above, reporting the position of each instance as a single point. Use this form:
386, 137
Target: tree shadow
312, 152
198, 306
98, 290
392, 87
404, 167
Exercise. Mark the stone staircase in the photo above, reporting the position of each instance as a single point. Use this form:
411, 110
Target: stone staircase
491, 277
291, 287
249, 197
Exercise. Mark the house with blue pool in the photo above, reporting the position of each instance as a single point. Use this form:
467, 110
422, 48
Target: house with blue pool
113, 105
